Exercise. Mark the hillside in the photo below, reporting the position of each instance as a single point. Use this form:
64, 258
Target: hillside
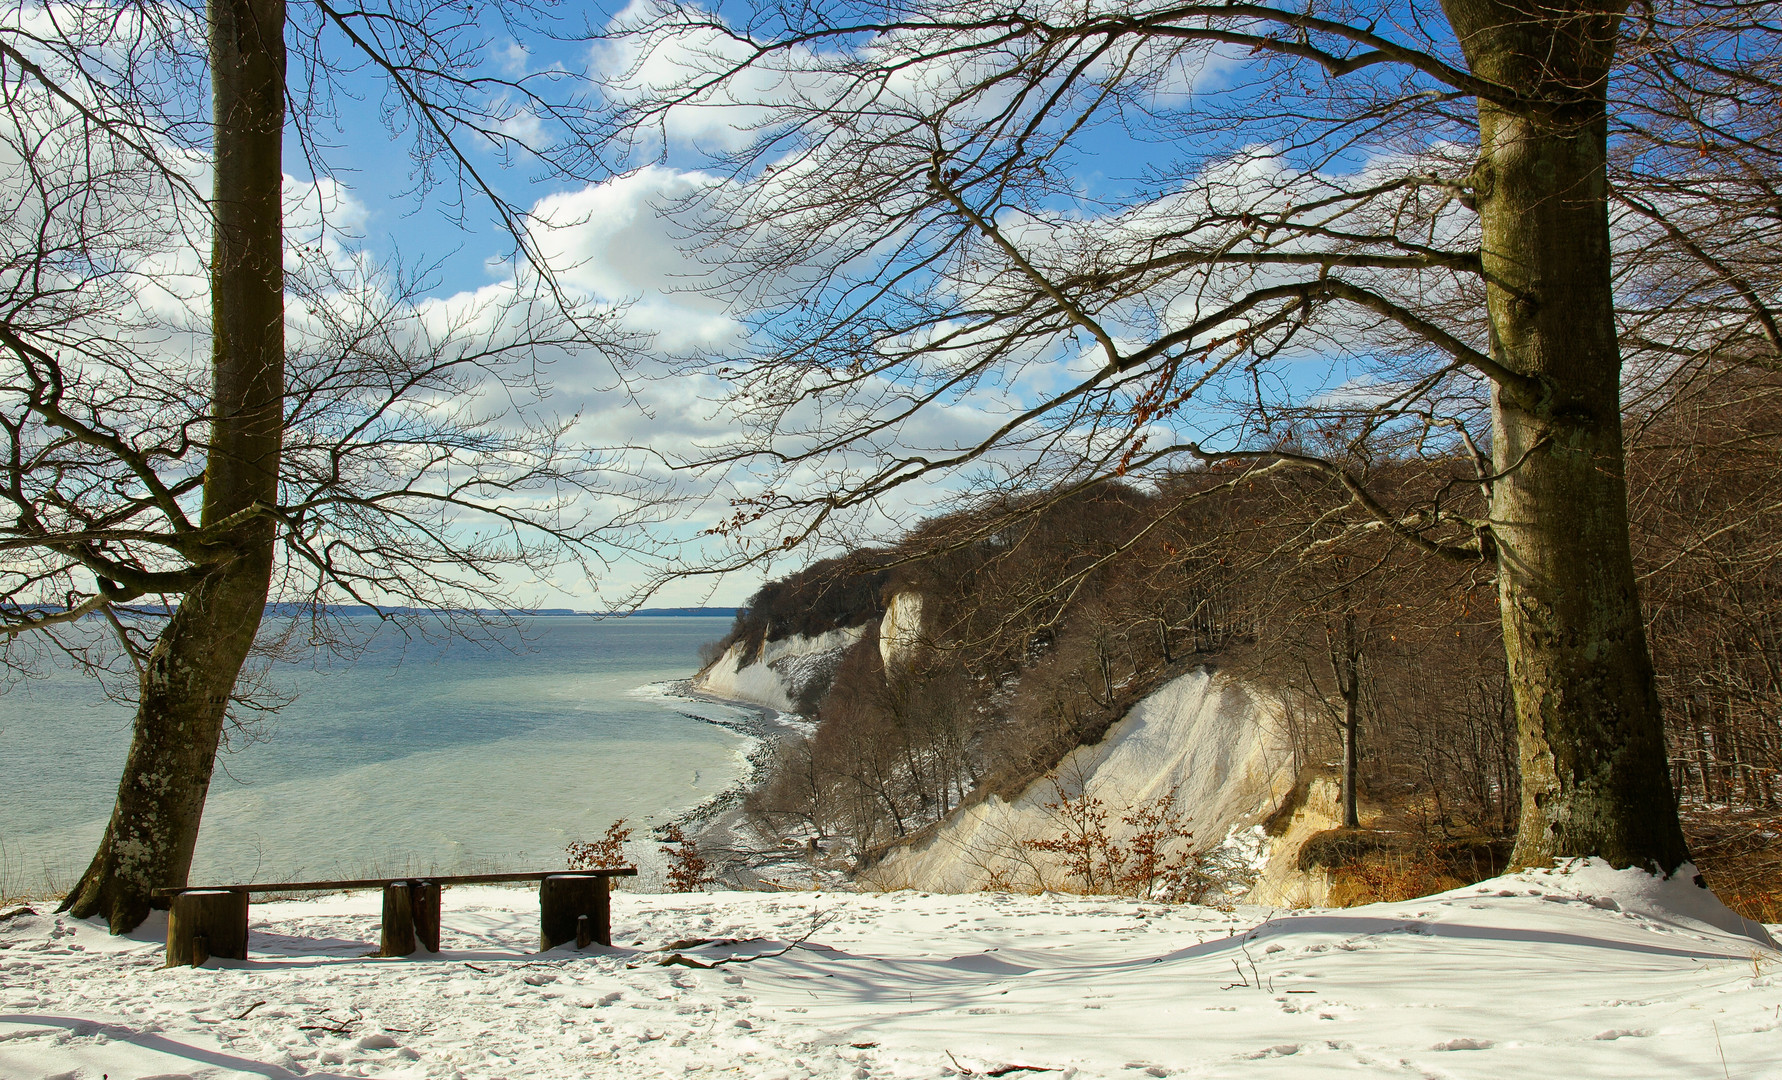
1199, 743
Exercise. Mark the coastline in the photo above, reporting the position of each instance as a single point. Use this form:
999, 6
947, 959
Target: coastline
740, 859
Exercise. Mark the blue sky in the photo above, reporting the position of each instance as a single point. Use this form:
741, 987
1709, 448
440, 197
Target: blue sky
619, 250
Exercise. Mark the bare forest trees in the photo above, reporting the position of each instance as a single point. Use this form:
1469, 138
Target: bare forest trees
1387, 676
1473, 221
1705, 521
894, 750
335, 442
1386, 668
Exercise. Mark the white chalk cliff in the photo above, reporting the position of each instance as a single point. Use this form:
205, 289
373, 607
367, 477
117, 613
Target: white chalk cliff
1210, 739
900, 628
1206, 737
782, 671
1282, 883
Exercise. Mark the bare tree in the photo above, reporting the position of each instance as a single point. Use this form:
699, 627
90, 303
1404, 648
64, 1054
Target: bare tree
338, 444
1422, 204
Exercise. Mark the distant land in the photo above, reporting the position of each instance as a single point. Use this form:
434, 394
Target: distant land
350, 610
361, 609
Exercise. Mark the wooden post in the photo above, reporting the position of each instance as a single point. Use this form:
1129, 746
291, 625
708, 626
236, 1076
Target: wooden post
203, 923
399, 921
423, 902
562, 901
584, 934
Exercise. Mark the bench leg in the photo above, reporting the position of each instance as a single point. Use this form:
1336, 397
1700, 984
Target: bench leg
398, 938
204, 923
564, 899
423, 902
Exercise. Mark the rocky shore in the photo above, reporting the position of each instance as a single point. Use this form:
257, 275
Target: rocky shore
740, 857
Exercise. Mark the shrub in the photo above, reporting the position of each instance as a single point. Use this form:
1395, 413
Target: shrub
1084, 844
602, 854
1737, 855
687, 868
1141, 865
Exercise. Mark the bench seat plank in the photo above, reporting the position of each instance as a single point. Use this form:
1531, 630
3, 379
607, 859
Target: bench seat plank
378, 883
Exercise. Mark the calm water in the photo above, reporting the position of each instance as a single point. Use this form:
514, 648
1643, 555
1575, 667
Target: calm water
415, 757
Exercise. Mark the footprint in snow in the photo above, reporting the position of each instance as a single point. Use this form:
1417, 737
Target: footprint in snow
1463, 1044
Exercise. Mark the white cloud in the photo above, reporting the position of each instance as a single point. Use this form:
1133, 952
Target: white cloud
610, 241
510, 57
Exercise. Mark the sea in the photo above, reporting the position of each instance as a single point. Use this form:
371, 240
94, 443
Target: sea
417, 756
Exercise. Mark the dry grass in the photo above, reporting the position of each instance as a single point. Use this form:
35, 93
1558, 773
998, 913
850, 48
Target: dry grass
1385, 877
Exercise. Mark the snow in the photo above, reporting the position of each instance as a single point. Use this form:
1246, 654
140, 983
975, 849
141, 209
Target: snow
1204, 737
1577, 972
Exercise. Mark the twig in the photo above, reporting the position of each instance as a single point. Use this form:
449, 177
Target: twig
1241, 980
1260, 983
675, 959
342, 1027
244, 1013
1000, 1070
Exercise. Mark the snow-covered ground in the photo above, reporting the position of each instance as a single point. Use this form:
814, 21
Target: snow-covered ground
1586, 973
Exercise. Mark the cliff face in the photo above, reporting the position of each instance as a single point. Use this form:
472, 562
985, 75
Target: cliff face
1200, 736
1282, 882
790, 674
900, 629
1205, 740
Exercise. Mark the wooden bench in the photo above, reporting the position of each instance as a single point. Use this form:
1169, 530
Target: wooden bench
573, 905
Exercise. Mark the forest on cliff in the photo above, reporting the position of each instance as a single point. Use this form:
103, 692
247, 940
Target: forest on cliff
1046, 617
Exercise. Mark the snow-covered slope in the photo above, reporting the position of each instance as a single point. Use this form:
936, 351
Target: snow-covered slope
1201, 735
1581, 973
783, 670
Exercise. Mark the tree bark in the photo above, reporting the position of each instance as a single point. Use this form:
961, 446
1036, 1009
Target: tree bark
1594, 776
192, 669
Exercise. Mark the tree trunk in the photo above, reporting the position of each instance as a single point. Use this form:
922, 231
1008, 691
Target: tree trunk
192, 669
1351, 761
1345, 666
1594, 777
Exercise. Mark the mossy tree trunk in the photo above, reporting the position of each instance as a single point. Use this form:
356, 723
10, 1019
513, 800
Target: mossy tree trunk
1591, 734
191, 672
